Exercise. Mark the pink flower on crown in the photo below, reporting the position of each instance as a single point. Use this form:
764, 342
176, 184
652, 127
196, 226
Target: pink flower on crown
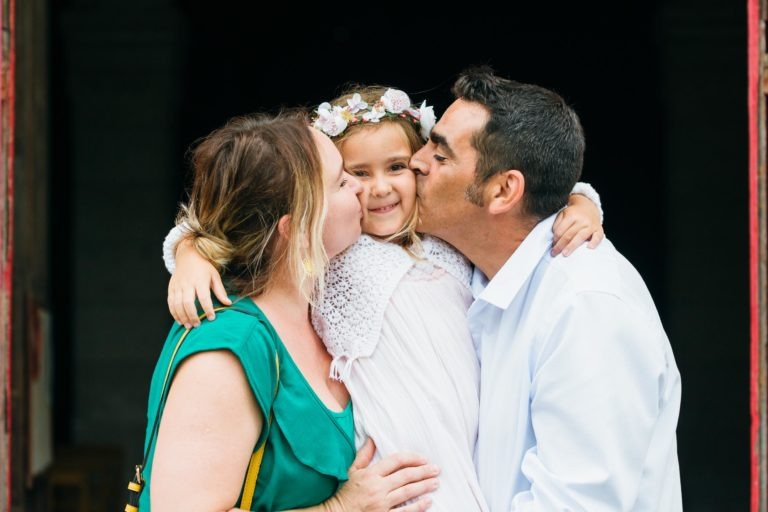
395, 101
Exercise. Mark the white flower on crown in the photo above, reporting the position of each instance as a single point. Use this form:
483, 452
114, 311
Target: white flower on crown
356, 104
395, 101
426, 119
330, 120
377, 112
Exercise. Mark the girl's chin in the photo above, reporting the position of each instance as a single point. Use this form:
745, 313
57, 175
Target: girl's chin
379, 233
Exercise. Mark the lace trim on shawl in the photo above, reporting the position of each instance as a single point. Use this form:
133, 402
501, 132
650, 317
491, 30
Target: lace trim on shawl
444, 255
359, 285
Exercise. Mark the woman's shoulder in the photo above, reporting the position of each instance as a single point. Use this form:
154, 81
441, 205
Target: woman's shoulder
241, 329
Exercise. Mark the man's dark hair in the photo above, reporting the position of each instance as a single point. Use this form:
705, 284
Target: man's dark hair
530, 129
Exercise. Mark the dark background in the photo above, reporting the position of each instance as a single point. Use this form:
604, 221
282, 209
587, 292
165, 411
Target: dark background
660, 87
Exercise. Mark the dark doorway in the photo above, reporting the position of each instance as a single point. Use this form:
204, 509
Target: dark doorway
660, 87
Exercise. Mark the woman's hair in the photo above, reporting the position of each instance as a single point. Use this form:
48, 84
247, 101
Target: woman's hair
247, 175
406, 236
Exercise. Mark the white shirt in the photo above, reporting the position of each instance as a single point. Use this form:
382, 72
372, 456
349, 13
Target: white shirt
580, 393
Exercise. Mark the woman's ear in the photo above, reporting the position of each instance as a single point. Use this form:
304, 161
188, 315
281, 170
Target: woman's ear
284, 226
506, 192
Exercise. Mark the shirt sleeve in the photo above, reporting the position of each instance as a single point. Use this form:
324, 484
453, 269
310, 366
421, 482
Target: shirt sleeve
588, 191
595, 399
172, 239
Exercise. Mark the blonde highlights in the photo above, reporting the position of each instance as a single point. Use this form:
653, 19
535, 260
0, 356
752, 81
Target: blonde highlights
248, 175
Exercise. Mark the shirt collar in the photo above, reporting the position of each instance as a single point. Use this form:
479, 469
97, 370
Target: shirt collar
503, 288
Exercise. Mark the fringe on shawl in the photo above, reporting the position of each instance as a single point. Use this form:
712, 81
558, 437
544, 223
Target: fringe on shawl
340, 367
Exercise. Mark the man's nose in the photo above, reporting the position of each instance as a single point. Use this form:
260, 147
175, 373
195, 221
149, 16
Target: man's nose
417, 164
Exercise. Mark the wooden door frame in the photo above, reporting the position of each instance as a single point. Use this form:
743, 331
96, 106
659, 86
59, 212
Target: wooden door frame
7, 106
757, 89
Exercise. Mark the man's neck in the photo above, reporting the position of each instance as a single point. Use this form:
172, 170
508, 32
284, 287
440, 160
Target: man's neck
490, 246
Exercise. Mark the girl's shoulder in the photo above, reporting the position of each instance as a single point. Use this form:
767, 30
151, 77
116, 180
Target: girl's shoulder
445, 255
359, 284
370, 251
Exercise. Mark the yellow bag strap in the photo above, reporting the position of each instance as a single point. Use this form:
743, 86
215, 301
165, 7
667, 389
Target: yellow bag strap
252, 476
249, 486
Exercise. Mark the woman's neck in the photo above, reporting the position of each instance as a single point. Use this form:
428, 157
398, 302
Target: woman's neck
284, 301
287, 309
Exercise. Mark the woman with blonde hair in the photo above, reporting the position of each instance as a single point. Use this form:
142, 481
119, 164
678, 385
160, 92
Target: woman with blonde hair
242, 415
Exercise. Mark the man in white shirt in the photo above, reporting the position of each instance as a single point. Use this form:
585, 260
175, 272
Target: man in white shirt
580, 392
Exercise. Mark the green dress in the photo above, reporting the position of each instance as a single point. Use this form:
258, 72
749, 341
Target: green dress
308, 447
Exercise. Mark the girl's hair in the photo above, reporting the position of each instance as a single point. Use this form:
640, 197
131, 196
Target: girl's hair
247, 175
406, 236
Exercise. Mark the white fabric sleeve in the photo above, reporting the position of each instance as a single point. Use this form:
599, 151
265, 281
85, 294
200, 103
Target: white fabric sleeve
170, 243
588, 191
598, 390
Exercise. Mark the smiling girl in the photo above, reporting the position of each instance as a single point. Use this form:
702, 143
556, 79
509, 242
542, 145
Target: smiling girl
393, 315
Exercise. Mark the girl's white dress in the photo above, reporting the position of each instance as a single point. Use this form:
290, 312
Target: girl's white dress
397, 329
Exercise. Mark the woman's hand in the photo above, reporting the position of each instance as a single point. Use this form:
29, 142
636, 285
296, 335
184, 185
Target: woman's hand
194, 277
383, 486
575, 224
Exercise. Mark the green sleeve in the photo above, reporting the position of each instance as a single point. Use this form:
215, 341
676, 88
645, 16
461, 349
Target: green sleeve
252, 342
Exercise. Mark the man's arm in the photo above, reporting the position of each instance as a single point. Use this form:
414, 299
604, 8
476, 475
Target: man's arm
595, 399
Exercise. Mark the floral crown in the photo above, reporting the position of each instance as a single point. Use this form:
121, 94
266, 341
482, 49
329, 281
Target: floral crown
334, 119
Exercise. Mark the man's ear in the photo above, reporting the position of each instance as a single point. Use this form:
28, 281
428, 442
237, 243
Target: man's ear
505, 192
284, 226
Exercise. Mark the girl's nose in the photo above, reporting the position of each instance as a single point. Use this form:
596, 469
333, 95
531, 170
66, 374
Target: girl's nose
381, 187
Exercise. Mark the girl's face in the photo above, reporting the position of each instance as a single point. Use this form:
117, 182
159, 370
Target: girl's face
342, 221
378, 156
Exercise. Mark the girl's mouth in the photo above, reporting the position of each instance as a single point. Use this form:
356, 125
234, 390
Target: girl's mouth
384, 209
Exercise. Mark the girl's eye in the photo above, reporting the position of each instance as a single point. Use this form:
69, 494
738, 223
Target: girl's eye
398, 167
358, 174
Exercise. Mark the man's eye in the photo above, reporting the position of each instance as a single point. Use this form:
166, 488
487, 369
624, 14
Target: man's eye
440, 159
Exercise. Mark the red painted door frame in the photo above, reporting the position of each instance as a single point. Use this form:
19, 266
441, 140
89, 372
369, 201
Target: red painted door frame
757, 88
7, 104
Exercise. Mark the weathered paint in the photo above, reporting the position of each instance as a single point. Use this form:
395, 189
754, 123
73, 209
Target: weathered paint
757, 89
7, 104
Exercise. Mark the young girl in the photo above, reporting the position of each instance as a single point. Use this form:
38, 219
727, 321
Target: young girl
393, 315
